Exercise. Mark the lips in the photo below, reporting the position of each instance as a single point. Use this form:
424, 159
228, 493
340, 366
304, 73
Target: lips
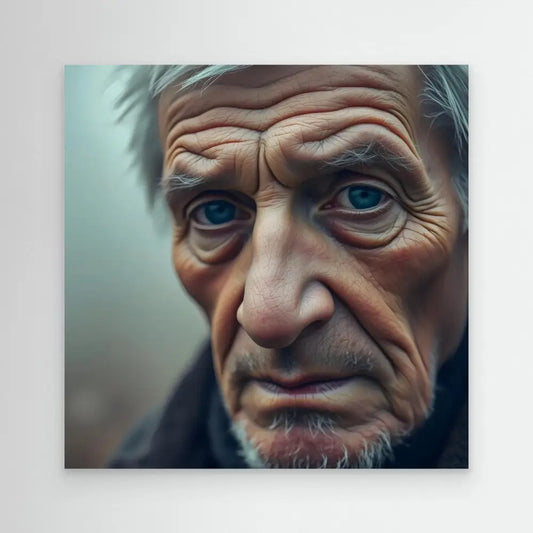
349, 399
302, 385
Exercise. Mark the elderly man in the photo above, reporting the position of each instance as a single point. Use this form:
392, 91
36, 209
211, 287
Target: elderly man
320, 222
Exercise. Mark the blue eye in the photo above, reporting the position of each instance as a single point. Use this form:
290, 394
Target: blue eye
362, 197
219, 212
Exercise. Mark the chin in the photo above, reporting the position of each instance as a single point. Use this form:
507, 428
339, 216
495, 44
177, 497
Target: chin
315, 440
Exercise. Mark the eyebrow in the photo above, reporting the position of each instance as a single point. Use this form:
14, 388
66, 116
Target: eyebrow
176, 182
372, 154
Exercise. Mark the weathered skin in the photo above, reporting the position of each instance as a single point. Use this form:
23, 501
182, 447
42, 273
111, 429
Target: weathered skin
300, 284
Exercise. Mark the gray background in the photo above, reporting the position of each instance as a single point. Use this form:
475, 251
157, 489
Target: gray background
129, 327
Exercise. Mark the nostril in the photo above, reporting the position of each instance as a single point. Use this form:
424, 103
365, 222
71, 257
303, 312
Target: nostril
273, 335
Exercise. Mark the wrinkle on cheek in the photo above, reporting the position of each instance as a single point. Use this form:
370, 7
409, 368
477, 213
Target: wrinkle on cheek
416, 255
415, 390
199, 279
410, 393
418, 251
404, 323
383, 316
433, 243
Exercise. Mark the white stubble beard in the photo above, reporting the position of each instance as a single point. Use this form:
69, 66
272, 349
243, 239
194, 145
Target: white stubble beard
373, 454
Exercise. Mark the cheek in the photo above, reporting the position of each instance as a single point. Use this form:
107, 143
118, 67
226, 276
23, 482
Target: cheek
201, 281
443, 306
426, 282
410, 298
218, 289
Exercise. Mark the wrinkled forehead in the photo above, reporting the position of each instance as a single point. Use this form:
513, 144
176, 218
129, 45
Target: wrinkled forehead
260, 87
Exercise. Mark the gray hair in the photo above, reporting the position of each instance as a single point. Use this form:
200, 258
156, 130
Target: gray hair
444, 98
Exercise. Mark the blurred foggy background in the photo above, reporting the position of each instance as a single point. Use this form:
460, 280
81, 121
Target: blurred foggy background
130, 329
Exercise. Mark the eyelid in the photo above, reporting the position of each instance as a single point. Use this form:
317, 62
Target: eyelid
359, 181
350, 179
213, 196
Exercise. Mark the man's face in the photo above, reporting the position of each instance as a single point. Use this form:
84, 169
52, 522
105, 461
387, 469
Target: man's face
323, 240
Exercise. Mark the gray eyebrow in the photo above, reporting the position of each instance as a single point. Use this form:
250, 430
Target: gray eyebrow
373, 154
178, 182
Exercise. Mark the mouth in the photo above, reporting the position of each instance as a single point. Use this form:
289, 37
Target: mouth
350, 399
299, 386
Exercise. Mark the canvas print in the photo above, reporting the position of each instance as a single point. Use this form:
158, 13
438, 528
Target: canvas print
318, 227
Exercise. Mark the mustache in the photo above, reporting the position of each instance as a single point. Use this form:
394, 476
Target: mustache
259, 363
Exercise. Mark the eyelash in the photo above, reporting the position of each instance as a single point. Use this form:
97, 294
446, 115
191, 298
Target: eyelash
384, 204
241, 213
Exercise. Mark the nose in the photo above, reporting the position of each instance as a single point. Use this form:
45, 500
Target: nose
284, 292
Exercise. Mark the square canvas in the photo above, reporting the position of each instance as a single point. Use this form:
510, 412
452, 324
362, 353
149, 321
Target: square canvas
266, 266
